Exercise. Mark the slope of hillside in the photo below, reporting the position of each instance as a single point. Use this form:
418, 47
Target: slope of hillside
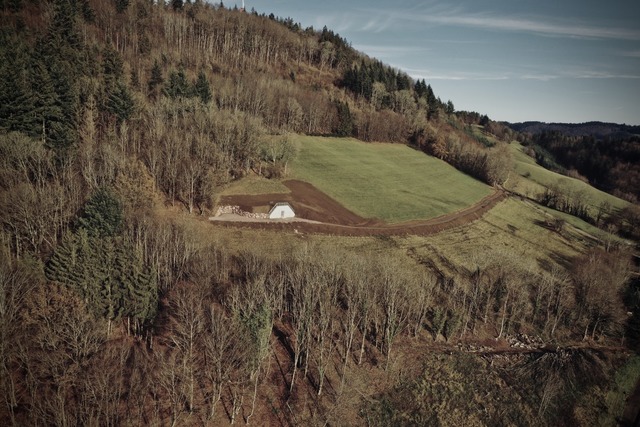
390, 182
531, 180
122, 121
598, 129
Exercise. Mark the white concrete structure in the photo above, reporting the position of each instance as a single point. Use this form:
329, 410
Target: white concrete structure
281, 210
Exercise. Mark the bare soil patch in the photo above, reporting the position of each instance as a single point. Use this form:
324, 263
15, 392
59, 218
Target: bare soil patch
332, 218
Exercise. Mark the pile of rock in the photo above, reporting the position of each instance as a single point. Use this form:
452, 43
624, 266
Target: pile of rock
235, 210
525, 341
256, 215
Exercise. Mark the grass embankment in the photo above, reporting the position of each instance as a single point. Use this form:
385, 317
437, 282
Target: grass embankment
391, 182
514, 228
531, 180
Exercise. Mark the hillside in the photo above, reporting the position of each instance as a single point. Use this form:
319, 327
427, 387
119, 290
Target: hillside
124, 124
606, 155
597, 129
385, 181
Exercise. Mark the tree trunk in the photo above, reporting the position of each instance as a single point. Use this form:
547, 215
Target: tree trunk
504, 316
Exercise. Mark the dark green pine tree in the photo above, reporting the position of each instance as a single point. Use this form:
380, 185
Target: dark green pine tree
420, 88
61, 267
76, 263
140, 288
102, 215
63, 77
11, 5
345, 121
47, 115
63, 24
155, 79
112, 66
121, 5
16, 103
88, 13
432, 103
202, 88
106, 277
108, 274
450, 107
177, 86
61, 53
120, 102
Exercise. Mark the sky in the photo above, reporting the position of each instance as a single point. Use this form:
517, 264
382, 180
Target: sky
515, 60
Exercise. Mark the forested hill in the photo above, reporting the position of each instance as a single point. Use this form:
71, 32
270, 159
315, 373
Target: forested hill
596, 129
163, 83
122, 121
605, 154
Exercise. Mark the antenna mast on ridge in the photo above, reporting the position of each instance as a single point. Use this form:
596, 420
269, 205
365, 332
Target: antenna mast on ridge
242, 9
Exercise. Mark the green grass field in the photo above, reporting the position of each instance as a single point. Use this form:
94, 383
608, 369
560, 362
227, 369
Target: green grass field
531, 179
387, 181
513, 228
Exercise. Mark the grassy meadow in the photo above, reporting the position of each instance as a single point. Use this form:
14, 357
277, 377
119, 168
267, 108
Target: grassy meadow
391, 182
531, 179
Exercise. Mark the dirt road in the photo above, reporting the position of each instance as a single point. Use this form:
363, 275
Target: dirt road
327, 216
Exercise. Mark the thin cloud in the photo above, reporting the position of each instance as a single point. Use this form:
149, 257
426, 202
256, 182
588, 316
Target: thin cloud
378, 23
631, 54
370, 21
538, 26
455, 76
605, 75
539, 77
389, 51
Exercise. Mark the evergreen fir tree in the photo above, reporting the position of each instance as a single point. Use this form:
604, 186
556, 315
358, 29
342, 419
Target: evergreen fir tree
156, 77
121, 5
102, 215
345, 121
120, 102
178, 86
16, 103
47, 115
202, 88
432, 103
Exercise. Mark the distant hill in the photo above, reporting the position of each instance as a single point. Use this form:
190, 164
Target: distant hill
596, 129
605, 154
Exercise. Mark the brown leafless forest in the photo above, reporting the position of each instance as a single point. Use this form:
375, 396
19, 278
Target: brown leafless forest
120, 123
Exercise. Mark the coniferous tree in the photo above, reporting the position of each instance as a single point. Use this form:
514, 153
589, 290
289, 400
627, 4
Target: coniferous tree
432, 103
345, 121
16, 103
450, 108
61, 54
103, 267
112, 66
155, 79
47, 113
420, 88
88, 13
120, 102
202, 88
177, 86
121, 5
102, 215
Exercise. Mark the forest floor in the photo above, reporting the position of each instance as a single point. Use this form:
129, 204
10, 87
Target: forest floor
316, 212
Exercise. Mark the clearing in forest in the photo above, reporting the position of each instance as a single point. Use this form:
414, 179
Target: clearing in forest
389, 182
